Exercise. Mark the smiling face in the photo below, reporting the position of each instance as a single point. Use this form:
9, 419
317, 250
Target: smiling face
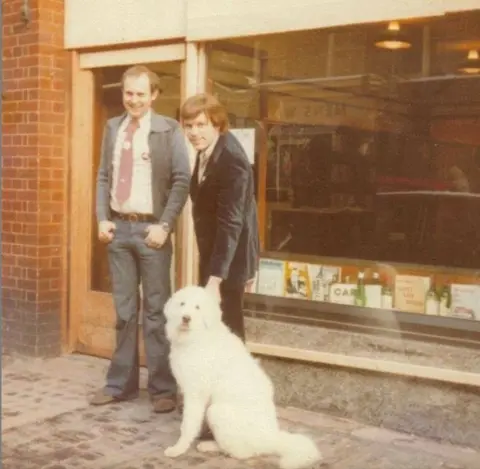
137, 95
200, 131
191, 312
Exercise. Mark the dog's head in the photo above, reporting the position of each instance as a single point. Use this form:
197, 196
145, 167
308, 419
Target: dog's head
191, 311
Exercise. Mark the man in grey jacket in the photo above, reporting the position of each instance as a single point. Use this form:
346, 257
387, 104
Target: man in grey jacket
142, 187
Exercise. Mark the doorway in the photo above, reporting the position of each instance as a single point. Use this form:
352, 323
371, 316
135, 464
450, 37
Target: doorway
96, 98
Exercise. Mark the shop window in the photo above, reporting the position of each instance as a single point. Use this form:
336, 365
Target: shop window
367, 161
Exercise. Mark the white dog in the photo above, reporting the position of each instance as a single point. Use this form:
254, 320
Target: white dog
222, 381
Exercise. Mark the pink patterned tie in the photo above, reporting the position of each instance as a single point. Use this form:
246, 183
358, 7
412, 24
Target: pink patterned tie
125, 171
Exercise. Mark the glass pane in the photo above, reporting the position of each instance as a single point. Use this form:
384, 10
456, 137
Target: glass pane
109, 104
368, 160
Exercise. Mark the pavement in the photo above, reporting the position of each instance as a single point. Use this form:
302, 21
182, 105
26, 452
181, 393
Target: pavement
48, 424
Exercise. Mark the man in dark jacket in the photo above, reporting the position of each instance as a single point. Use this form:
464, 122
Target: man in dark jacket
224, 207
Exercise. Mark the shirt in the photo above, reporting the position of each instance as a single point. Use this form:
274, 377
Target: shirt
204, 156
140, 200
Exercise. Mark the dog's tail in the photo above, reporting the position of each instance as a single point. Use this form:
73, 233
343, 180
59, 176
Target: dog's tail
296, 451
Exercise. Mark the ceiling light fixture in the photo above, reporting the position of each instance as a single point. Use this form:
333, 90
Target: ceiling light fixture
392, 38
471, 66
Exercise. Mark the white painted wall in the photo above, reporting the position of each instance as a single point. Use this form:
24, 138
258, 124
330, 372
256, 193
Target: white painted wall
107, 22
91, 23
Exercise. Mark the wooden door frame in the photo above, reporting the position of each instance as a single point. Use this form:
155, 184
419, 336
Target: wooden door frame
193, 77
81, 156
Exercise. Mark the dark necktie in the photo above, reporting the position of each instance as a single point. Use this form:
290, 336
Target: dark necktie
202, 164
125, 171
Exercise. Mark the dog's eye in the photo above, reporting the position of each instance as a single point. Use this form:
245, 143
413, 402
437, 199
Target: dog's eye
182, 303
197, 307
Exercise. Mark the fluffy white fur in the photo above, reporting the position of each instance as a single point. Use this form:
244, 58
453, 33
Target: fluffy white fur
222, 381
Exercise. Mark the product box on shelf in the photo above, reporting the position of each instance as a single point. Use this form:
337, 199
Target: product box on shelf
369, 287
271, 277
321, 279
343, 293
297, 281
465, 301
410, 293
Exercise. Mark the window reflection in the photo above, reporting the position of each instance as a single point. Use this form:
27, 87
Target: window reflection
365, 155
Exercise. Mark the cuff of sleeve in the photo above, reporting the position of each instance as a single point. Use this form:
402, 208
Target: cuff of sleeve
218, 272
166, 226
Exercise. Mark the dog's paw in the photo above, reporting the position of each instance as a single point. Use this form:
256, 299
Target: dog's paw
174, 451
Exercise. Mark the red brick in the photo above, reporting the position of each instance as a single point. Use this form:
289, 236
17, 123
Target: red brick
27, 61
33, 94
34, 49
28, 38
35, 84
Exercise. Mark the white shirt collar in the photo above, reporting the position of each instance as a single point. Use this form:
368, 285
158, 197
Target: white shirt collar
209, 150
144, 121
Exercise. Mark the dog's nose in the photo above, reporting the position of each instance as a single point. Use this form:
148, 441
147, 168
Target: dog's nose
186, 319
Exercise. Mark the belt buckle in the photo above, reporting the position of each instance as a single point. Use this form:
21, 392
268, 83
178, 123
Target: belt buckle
133, 217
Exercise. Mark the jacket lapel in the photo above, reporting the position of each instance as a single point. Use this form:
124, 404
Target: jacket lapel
158, 126
159, 147
115, 124
194, 179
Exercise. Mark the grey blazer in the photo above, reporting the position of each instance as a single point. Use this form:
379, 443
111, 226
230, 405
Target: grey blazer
170, 168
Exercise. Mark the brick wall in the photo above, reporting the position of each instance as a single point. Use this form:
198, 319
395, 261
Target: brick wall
34, 165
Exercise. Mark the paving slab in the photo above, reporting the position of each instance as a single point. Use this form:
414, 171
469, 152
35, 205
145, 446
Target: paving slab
48, 424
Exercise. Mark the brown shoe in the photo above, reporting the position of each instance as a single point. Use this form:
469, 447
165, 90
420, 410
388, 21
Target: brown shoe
102, 398
163, 405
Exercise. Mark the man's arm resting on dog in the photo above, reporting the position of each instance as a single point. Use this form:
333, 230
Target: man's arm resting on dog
230, 214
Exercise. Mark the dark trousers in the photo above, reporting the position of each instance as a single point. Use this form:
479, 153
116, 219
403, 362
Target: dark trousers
231, 297
232, 309
132, 261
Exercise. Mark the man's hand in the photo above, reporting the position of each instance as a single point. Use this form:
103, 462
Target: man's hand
106, 231
250, 283
213, 286
156, 236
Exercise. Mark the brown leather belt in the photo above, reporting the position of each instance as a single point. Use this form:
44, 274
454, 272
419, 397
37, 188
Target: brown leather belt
134, 217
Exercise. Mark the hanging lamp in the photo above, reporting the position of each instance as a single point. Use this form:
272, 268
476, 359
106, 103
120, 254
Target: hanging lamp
392, 38
471, 65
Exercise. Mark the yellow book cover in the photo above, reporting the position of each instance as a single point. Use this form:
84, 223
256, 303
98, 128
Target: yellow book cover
297, 282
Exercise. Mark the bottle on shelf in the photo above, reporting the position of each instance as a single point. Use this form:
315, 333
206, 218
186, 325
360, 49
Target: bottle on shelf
445, 301
387, 296
330, 285
318, 287
360, 294
432, 300
373, 291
